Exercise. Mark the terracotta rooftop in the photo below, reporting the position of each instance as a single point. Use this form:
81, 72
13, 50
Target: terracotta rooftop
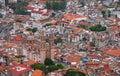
19, 69
1, 68
113, 52
37, 73
73, 16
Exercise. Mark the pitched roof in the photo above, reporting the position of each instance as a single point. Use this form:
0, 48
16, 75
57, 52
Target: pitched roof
1, 68
19, 69
113, 52
30, 62
73, 16
37, 73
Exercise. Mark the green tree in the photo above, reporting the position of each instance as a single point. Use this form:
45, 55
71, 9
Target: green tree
18, 20
74, 73
98, 28
118, 3
48, 62
103, 13
60, 66
34, 30
47, 40
58, 40
49, 24
53, 15
109, 13
82, 4
48, 5
1, 15
54, 5
6, 2
38, 66
19, 7
29, 29
52, 68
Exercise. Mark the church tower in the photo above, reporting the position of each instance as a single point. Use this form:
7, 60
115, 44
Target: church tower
43, 47
51, 45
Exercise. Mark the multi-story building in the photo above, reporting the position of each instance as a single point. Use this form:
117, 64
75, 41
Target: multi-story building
38, 50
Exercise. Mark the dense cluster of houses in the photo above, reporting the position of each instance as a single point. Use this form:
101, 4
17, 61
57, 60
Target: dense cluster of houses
94, 53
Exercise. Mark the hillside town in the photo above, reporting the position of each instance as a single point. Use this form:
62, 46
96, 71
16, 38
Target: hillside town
59, 37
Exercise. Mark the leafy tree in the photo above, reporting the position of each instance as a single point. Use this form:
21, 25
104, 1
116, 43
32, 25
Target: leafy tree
52, 68
48, 5
38, 66
54, 5
29, 29
60, 66
48, 62
47, 40
1, 15
103, 13
49, 24
59, 40
98, 28
46, 70
20, 56
106, 13
34, 30
48, 67
118, 2
18, 20
109, 13
74, 73
55, 67
53, 15
83, 4
19, 7
6, 2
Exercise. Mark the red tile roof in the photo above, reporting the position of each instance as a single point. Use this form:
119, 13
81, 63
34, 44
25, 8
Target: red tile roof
73, 16
92, 64
37, 73
18, 37
113, 52
19, 69
96, 56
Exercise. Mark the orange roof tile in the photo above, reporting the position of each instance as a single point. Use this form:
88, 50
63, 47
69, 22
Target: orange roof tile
77, 30
30, 62
15, 62
84, 23
114, 28
111, 19
37, 73
105, 60
74, 58
72, 35
106, 67
88, 47
101, 6
70, 17
1, 68
113, 52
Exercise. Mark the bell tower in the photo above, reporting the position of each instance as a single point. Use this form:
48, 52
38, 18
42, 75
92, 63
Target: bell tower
43, 47
51, 40
51, 45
